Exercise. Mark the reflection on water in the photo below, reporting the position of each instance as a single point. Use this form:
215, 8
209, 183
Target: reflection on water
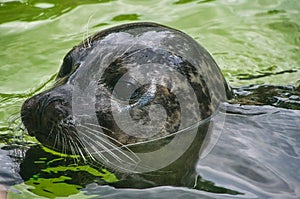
36, 10
278, 96
255, 147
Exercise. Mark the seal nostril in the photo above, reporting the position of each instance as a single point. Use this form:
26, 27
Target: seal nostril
56, 110
69, 120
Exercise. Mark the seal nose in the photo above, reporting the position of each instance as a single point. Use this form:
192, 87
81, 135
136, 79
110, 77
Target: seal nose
42, 112
56, 109
28, 114
48, 117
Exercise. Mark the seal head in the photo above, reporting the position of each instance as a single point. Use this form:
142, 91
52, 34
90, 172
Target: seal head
127, 86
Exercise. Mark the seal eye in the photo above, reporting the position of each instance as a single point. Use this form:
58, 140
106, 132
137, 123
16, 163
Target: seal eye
125, 90
66, 67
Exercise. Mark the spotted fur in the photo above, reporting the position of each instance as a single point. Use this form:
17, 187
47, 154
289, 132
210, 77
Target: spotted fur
109, 55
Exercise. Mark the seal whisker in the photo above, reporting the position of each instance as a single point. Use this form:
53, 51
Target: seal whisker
71, 145
51, 131
132, 53
134, 43
88, 152
80, 151
108, 137
94, 149
60, 141
108, 150
102, 128
63, 141
115, 147
75, 141
67, 146
73, 149
56, 140
112, 165
135, 162
86, 35
82, 141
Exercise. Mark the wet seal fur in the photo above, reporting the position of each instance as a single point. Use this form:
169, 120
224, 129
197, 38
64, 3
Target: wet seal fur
117, 61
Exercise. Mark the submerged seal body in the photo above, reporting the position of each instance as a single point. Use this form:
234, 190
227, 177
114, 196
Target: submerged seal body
128, 90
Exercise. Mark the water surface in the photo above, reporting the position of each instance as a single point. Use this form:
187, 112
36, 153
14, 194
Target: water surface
255, 43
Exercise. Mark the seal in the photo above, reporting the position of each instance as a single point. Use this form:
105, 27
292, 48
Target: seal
131, 89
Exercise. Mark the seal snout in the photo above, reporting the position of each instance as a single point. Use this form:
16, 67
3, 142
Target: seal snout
42, 113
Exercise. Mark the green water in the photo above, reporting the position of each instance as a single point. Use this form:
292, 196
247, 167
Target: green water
253, 41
